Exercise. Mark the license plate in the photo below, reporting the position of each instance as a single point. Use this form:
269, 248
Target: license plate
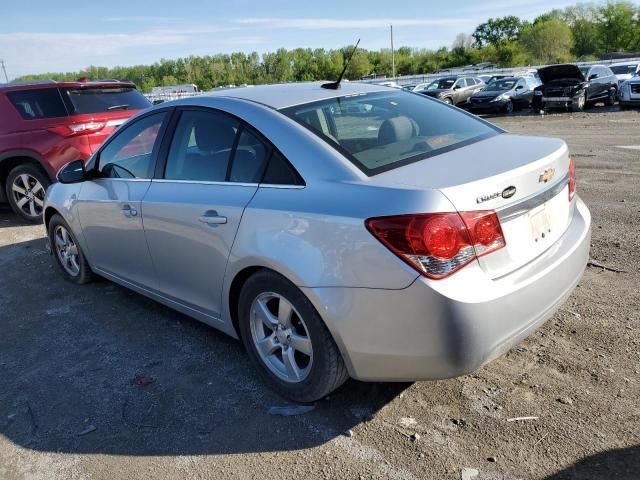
540, 222
556, 99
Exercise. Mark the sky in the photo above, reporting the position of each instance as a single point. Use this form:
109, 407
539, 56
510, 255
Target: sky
38, 36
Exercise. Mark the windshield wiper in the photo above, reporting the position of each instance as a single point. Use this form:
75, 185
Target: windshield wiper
118, 107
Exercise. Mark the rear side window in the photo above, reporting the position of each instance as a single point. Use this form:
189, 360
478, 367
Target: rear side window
280, 172
34, 104
382, 131
104, 99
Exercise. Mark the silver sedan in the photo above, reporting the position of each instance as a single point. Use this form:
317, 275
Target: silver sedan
360, 232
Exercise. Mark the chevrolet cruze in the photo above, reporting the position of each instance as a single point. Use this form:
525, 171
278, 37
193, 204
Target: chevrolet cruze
354, 231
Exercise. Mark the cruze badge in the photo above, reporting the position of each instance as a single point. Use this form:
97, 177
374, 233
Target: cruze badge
547, 175
506, 193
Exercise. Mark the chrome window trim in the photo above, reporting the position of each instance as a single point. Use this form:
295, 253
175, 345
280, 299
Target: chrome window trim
122, 179
237, 184
532, 201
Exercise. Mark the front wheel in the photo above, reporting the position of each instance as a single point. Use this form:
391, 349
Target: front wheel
508, 107
26, 187
448, 101
67, 252
287, 340
611, 98
579, 103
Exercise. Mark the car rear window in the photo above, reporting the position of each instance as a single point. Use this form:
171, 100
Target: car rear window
382, 131
35, 104
104, 99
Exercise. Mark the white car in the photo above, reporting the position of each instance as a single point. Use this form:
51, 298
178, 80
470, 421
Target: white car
625, 70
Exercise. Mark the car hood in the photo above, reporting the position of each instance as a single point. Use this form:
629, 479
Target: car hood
556, 72
437, 91
491, 93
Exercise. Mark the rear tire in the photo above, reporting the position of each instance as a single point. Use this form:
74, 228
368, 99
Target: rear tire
67, 252
287, 340
25, 188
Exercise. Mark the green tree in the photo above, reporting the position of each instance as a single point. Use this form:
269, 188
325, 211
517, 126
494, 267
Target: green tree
617, 27
497, 30
548, 41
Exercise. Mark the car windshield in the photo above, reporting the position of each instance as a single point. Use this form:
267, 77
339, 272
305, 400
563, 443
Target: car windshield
499, 85
382, 131
624, 69
105, 99
441, 84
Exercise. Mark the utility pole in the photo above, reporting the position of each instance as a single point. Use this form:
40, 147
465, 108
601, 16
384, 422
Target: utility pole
6, 77
393, 56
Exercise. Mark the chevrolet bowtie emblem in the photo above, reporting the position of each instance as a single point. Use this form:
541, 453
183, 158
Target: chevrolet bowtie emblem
547, 175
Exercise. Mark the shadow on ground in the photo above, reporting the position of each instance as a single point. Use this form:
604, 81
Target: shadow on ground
69, 356
619, 464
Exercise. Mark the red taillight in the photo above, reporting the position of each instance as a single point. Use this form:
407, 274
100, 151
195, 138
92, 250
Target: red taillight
438, 244
572, 179
77, 128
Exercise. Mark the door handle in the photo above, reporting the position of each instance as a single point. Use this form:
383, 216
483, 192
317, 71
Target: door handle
212, 218
129, 211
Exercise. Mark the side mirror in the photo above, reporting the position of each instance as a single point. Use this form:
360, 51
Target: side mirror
593, 77
457, 87
73, 172
519, 87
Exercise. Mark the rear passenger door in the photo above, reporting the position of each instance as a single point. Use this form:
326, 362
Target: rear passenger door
212, 168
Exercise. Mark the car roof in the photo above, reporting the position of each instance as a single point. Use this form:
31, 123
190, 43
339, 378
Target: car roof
40, 84
284, 95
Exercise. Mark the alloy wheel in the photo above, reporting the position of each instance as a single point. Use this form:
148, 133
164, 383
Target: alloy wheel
281, 337
66, 250
28, 194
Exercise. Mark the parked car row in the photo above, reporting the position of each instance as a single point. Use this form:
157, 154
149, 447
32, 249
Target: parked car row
565, 86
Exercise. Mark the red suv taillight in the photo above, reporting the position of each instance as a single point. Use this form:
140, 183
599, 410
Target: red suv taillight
77, 128
439, 244
572, 179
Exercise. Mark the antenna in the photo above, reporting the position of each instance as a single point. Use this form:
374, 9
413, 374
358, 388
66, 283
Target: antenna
336, 85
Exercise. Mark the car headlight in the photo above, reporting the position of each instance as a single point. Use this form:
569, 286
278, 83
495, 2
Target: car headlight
626, 89
501, 98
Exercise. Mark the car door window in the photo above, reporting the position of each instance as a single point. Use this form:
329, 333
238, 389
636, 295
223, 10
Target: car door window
521, 83
202, 146
130, 153
459, 83
593, 74
249, 159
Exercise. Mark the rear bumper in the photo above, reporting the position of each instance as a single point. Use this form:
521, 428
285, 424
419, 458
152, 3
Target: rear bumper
433, 330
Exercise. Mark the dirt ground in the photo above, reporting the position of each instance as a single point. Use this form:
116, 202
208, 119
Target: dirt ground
71, 408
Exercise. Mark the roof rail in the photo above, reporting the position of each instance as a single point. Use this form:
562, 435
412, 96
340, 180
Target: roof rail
27, 82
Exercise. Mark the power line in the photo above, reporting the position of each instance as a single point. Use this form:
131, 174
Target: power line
6, 77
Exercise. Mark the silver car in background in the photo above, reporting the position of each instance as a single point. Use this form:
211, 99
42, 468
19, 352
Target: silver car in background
361, 231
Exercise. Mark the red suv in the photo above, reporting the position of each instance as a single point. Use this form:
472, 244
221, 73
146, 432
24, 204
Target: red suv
44, 125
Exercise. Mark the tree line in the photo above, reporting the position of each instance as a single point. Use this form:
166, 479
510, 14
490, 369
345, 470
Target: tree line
578, 32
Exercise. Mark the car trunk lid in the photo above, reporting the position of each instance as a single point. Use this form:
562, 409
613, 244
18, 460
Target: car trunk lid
522, 178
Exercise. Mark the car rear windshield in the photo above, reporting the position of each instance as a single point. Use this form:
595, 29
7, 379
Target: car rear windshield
104, 99
385, 130
622, 69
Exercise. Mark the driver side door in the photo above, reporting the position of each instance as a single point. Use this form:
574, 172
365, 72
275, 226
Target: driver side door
109, 205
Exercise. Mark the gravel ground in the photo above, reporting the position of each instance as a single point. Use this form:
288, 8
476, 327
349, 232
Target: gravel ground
71, 407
